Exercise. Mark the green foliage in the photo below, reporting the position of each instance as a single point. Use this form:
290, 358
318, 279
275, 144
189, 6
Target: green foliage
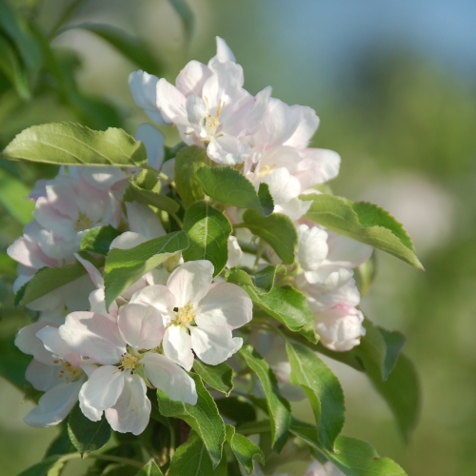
124, 267
278, 407
187, 163
62, 444
74, 144
42, 468
202, 417
322, 388
151, 197
364, 222
245, 450
230, 186
277, 230
87, 435
99, 239
186, 15
13, 195
14, 69
150, 469
236, 409
208, 230
262, 281
219, 377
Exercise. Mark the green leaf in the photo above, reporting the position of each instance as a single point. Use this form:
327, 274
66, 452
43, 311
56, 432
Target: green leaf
87, 435
230, 186
236, 409
187, 163
262, 281
149, 197
150, 469
380, 347
74, 144
186, 15
322, 388
13, 362
365, 274
357, 458
192, 459
277, 230
208, 230
62, 444
130, 46
124, 267
245, 450
13, 195
202, 417
14, 69
255, 427
278, 408
285, 304
41, 468
49, 279
364, 222
219, 377
99, 239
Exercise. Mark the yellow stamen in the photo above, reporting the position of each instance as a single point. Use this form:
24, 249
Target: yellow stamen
83, 221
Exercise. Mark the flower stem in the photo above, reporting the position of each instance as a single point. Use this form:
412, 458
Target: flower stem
167, 179
115, 459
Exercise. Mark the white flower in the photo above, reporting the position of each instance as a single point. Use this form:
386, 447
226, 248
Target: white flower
198, 315
235, 254
114, 387
55, 370
313, 248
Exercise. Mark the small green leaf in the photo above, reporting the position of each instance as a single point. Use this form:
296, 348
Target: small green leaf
186, 15
278, 407
87, 435
364, 222
255, 427
41, 468
322, 388
187, 163
130, 46
74, 144
202, 417
148, 197
245, 450
230, 186
208, 230
150, 469
262, 281
99, 239
219, 377
49, 279
13, 195
236, 409
277, 230
192, 459
124, 267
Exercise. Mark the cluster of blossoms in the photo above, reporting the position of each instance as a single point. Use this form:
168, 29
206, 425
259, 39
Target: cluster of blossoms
107, 356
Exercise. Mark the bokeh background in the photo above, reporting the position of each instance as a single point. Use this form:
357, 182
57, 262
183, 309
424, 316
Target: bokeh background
394, 84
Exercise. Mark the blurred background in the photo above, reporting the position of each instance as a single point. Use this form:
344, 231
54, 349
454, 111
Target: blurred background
394, 84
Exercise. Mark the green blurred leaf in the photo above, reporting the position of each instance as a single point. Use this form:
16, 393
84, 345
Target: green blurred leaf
364, 222
124, 267
48, 279
192, 459
365, 274
150, 469
208, 230
278, 407
13, 362
74, 144
186, 15
130, 46
187, 163
14, 69
202, 417
41, 468
245, 450
230, 186
322, 388
219, 377
62, 444
99, 239
236, 409
87, 435
13, 195
148, 197
262, 281
277, 230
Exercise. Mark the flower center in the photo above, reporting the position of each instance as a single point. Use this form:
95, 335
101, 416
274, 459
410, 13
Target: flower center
82, 222
69, 371
184, 315
212, 122
267, 170
129, 362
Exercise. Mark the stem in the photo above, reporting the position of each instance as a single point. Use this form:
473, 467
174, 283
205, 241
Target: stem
115, 459
261, 248
167, 179
177, 219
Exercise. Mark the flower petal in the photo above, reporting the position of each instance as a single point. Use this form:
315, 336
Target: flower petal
153, 141
55, 344
177, 345
235, 254
170, 378
143, 88
157, 296
144, 221
223, 51
346, 252
127, 240
191, 79
313, 247
171, 103
228, 150
27, 341
305, 130
214, 345
42, 376
101, 391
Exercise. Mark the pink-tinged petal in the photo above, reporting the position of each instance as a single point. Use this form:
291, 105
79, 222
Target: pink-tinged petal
191, 79
345, 295
157, 296
305, 130
144, 221
39, 190
319, 166
97, 300
27, 253
171, 103
127, 240
94, 274
228, 150
214, 345
313, 247
196, 110
190, 282
328, 278
75, 294
282, 185
144, 89
101, 391
170, 378
224, 86
102, 178
140, 326
153, 141
131, 412
94, 336
56, 345
178, 346
54, 405
42, 376
294, 209
225, 305
27, 341
223, 51
346, 252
